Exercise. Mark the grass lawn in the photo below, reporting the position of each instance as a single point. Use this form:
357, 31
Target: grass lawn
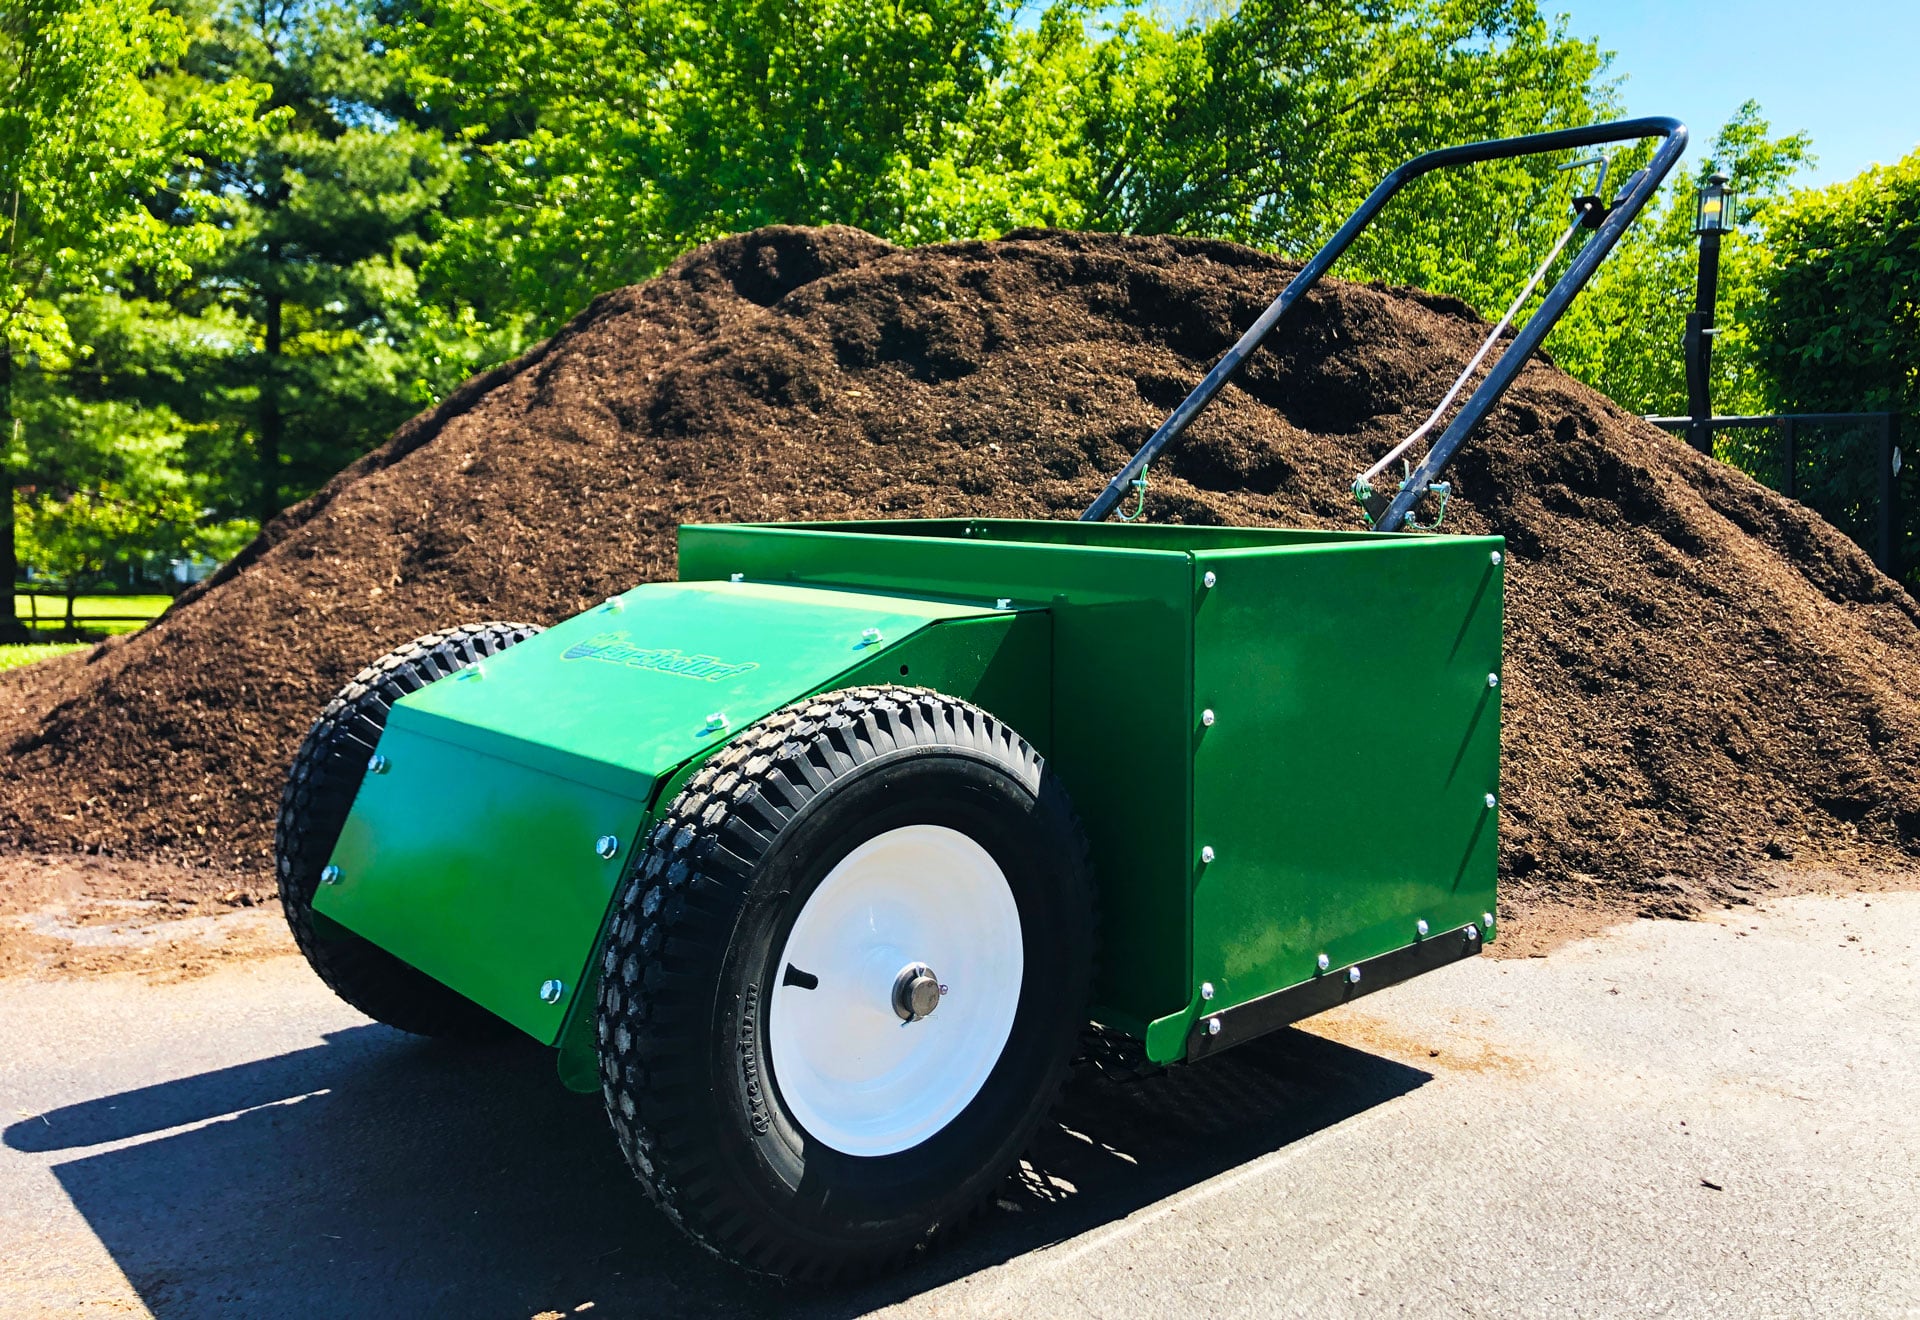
52, 611
13, 657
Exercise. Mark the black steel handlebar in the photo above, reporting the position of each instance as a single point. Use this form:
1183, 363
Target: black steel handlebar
1643, 186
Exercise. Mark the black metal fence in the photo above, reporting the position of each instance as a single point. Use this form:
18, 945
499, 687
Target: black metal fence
1844, 466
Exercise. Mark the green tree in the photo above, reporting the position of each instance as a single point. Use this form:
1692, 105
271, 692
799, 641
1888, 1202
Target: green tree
86, 144
1839, 327
324, 216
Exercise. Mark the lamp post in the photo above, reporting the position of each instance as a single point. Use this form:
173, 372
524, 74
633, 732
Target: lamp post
1712, 217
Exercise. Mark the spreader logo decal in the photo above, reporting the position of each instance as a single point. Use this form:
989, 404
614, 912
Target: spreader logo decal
615, 649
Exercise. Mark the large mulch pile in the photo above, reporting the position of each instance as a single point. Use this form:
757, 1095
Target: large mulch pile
1704, 681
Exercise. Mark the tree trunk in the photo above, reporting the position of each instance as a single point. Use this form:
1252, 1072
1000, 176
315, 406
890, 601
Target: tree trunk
271, 425
73, 628
11, 629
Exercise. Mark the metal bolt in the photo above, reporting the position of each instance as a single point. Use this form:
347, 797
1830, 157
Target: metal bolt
1473, 933
716, 720
550, 991
1492, 802
1206, 718
1493, 680
1486, 919
606, 845
1213, 1026
330, 875
614, 605
1003, 603
1421, 927
736, 577
869, 636
1496, 559
1206, 853
1208, 579
1353, 976
377, 764
472, 671
1206, 989
1323, 962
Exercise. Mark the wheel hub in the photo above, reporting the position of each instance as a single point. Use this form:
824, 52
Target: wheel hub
868, 1053
916, 992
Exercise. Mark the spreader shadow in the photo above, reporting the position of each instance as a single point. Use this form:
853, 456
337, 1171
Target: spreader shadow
380, 1174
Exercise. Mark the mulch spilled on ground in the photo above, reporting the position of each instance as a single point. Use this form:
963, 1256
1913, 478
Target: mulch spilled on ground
1706, 686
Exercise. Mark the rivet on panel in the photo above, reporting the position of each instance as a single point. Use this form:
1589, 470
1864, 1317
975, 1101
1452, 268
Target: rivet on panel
1208, 580
1003, 603
551, 991
870, 637
1206, 853
1492, 802
736, 577
607, 845
1493, 680
1206, 718
1473, 933
1206, 989
1496, 559
1486, 919
1421, 927
1213, 1026
377, 764
330, 875
1353, 976
1323, 962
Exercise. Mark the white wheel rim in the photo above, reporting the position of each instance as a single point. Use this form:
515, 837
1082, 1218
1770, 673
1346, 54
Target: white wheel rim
854, 1074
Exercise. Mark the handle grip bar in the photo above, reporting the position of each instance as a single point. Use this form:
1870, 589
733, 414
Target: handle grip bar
1488, 393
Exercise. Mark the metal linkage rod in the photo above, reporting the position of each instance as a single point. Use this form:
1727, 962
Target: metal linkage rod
1524, 343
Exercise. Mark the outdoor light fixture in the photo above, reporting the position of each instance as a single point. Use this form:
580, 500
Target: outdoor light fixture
1713, 206
1712, 217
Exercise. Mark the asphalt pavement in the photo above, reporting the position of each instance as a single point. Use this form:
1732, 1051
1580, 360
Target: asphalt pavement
1715, 1118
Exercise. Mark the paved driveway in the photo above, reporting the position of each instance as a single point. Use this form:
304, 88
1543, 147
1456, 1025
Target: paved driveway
1710, 1118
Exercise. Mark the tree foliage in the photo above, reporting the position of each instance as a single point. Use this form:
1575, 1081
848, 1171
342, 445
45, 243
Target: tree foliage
1839, 328
87, 147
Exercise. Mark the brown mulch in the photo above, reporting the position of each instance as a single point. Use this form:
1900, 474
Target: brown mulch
1707, 687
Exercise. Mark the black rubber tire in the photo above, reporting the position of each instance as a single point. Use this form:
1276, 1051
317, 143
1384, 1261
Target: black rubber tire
320, 789
684, 1057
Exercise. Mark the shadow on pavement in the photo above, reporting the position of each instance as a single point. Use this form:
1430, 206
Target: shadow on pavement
380, 1173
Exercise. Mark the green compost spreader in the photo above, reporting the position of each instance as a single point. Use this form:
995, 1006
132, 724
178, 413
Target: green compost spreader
821, 862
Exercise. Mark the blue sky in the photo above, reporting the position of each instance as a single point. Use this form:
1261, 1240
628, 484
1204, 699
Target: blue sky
1846, 71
